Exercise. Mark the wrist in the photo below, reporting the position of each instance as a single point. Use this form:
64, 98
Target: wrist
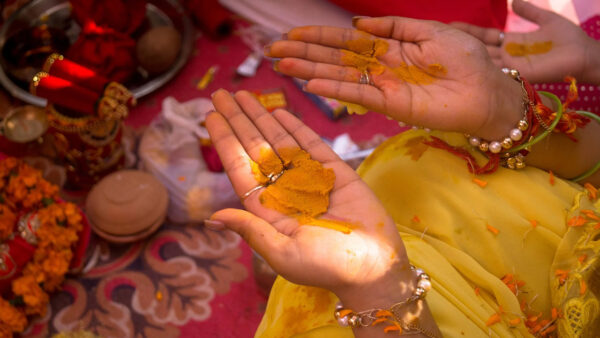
506, 108
397, 285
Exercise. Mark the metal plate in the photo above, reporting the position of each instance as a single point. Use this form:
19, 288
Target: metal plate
57, 15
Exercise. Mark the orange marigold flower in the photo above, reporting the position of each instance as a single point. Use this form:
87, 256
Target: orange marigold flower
34, 297
479, 182
492, 229
515, 321
576, 221
11, 317
495, 318
582, 287
8, 219
592, 191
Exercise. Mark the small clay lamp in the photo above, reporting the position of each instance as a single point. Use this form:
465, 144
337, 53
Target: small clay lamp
24, 124
127, 206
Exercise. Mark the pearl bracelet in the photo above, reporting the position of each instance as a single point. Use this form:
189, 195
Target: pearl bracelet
512, 158
393, 316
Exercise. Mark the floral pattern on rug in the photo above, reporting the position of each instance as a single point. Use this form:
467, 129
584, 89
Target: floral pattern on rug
147, 289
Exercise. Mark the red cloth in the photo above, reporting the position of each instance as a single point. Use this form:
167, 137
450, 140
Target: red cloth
67, 94
212, 18
18, 255
485, 13
106, 51
77, 74
124, 16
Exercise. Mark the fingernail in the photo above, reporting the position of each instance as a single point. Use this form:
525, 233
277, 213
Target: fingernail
284, 36
212, 95
276, 65
214, 225
267, 49
356, 18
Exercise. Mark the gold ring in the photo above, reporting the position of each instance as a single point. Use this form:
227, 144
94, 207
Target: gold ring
249, 192
272, 178
365, 78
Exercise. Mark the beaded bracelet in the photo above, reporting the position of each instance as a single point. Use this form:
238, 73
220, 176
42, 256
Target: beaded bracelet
347, 317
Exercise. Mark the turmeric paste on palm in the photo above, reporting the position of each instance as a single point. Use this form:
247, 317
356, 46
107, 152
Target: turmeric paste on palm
302, 191
362, 54
522, 49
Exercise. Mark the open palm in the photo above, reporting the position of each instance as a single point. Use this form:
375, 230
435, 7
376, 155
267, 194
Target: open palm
243, 130
569, 45
459, 98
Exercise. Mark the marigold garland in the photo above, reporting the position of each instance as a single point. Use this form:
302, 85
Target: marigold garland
24, 190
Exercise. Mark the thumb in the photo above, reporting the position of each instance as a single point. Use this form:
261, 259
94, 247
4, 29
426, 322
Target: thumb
532, 12
259, 234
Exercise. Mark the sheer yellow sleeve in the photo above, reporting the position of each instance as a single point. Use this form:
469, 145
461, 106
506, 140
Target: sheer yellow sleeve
510, 254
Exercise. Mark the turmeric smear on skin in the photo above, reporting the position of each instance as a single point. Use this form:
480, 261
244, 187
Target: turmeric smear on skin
524, 49
362, 54
302, 191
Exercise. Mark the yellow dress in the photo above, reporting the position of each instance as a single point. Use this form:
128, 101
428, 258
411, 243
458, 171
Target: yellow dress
509, 254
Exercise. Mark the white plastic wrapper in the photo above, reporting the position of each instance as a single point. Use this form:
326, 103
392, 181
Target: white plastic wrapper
169, 149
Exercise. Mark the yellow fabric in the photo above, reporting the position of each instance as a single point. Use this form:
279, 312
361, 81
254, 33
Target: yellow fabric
445, 220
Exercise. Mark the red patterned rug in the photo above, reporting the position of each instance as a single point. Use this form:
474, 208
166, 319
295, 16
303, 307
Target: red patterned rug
185, 281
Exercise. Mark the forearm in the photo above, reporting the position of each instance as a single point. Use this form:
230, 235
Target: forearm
567, 158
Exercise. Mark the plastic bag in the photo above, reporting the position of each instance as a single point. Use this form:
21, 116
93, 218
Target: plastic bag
170, 150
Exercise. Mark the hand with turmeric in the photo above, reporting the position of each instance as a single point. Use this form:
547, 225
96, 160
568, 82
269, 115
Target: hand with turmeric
556, 49
422, 73
285, 222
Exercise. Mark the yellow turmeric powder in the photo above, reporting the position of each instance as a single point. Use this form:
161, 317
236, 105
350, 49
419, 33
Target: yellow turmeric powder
415, 75
363, 53
302, 191
269, 164
522, 49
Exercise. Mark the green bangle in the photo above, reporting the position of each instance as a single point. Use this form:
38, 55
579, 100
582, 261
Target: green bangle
538, 138
597, 166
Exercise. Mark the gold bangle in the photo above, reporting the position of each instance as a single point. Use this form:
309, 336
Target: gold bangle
50, 61
35, 81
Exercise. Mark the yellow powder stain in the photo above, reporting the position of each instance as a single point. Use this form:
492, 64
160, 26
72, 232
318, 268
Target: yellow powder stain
315, 301
353, 108
415, 75
302, 191
522, 49
362, 54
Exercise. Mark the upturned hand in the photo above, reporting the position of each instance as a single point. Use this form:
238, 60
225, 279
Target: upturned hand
429, 74
572, 51
371, 257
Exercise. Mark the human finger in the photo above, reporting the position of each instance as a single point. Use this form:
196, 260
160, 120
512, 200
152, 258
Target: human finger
231, 152
494, 52
399, 28
271, 244
362, 94
335, 37
311, 70
246, 132
269, 127
532, 12
303, 50
489, 36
